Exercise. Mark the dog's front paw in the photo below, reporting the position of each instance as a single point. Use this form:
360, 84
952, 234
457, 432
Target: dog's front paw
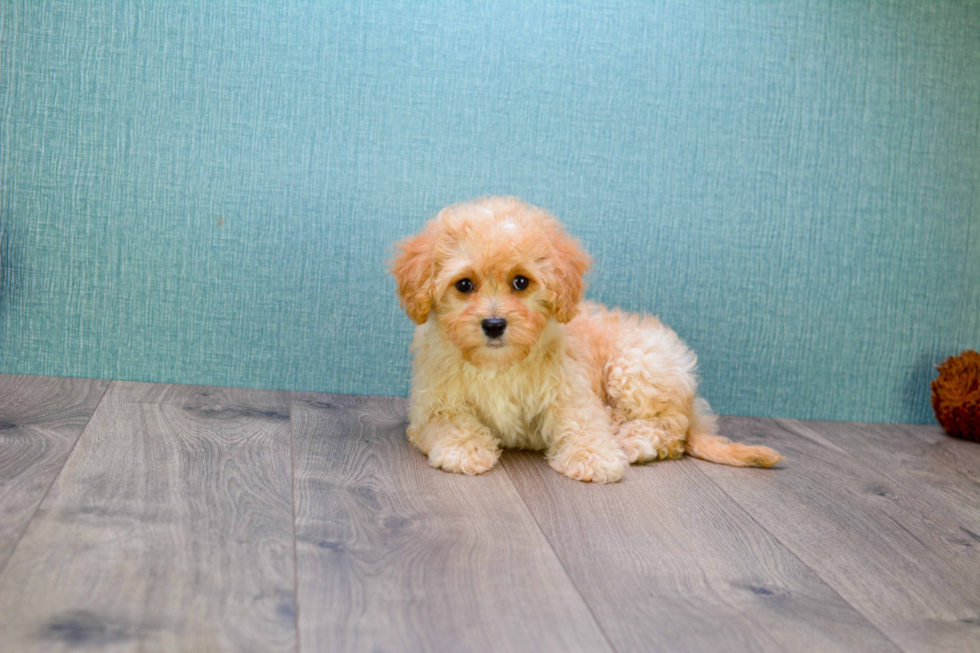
598, 462
466, 457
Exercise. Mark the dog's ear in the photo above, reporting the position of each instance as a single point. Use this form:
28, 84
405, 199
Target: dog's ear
571, 264
413, 267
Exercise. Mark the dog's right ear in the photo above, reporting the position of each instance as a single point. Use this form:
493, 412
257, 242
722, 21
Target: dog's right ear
413, 268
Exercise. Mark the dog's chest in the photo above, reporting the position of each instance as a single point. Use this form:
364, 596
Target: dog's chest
513, 406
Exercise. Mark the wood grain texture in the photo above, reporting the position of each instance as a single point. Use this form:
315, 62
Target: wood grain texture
396, 556
877, 515
40, 421
945, 451
168, 524
169, 528
667, 562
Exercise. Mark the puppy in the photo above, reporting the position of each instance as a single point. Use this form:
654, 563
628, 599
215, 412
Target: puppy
506, 354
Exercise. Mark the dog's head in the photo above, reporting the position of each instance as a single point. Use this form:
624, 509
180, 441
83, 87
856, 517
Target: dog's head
491, 273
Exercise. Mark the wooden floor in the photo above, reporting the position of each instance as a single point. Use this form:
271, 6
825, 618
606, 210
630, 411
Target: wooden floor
158, 517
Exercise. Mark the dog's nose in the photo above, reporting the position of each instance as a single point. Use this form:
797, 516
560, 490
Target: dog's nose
494, 327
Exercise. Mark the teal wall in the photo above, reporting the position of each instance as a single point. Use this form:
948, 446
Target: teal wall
206, 192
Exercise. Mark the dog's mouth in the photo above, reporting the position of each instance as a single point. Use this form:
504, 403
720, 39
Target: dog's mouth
495, 344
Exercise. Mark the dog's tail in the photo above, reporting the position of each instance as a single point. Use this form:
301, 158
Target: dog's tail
703, 443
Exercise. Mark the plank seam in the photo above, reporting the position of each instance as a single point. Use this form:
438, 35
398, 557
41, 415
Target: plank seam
561, 562
292, 495
909, 429
787, 546
54, 480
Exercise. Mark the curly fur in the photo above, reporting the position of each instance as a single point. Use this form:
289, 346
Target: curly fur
596, 389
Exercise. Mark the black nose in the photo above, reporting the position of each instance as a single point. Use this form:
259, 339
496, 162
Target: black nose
494, 327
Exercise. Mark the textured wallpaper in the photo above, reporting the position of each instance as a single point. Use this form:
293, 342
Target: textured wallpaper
207, 192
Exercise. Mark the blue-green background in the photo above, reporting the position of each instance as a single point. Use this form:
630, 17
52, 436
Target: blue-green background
207, 192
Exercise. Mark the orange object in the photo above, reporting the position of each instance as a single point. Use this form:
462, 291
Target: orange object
956, 396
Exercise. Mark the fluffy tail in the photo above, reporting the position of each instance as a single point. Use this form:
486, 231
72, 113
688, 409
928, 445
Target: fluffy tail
704, 444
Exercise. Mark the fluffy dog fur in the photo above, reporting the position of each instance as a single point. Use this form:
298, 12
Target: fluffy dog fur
596, 389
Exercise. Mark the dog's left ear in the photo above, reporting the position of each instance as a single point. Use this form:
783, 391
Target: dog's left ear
413, 268
571, 263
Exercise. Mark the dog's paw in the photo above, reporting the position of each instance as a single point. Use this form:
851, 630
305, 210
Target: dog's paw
467, 457
643, 441
602, 462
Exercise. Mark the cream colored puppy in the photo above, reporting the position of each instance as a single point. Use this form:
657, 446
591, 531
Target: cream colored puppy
507, 355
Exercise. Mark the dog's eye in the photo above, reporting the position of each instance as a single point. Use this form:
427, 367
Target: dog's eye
520, 283
464, 285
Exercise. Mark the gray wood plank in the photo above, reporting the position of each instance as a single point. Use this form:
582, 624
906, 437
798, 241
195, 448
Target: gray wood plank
952, 453
878, 517
667, 562
393, 555
935, 473
40, 421
169, 528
